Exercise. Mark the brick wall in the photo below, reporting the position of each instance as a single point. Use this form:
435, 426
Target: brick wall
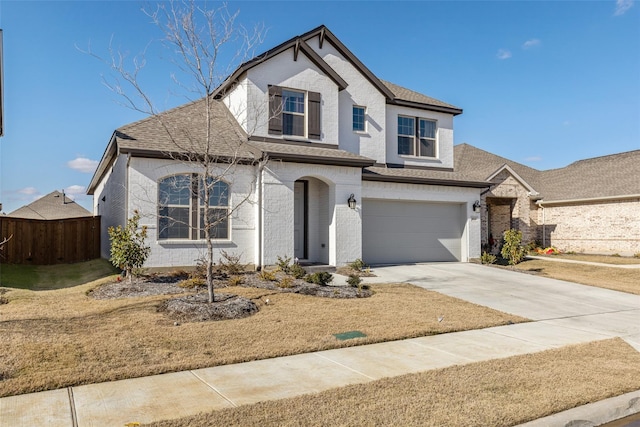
596, 227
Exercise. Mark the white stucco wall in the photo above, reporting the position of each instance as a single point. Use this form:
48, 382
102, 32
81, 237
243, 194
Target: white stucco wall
112, 210
282, 70
361, 92
344, 225
435, 193
444, 138
144, 175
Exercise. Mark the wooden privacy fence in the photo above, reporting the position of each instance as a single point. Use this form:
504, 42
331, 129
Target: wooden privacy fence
56, 241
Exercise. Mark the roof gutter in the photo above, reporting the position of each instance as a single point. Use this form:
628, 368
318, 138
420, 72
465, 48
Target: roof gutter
589, 199
431, 181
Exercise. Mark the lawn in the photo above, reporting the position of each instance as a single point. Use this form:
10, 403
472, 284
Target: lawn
54, 339
48, 277
618, 279
605, 259
502, 392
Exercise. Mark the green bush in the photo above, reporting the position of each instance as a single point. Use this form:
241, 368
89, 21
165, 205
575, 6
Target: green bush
512, 249
358, 265
297, 271
354, 280
128, 251
284, 264
487, 258
321, 278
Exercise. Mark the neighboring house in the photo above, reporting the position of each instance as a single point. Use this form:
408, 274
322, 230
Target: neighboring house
331, 131
591, 206
55, 205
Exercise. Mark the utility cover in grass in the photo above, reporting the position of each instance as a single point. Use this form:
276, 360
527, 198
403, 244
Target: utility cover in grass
349, 335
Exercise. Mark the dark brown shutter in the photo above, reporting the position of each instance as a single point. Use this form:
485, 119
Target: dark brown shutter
314, 115
275, 110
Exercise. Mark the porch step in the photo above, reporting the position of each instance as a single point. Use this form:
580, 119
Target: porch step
315, 267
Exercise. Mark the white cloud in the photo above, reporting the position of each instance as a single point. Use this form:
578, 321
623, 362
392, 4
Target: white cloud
531, 43
83, 164
29, 191
503, 54
622, 6
75, 190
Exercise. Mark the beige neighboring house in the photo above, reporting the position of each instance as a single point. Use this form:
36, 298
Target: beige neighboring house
590, 206
55, 205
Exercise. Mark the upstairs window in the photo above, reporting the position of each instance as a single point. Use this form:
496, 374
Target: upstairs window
294, 113
358, 119
293, 119
416, 136
181, 208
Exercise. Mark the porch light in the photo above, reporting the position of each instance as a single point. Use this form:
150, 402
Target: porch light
476, 206
351, 201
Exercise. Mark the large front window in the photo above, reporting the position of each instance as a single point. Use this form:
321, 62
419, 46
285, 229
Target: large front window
416, 136
181, 207
293, 119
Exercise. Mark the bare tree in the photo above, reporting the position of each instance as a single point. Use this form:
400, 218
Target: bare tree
205, 46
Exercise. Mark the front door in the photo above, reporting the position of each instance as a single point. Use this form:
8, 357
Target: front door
299, 219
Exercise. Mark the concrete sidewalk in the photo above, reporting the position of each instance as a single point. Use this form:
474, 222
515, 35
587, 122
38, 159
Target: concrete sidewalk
565, 314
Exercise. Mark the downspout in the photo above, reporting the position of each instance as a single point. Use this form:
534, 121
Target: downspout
259, 189
126, 186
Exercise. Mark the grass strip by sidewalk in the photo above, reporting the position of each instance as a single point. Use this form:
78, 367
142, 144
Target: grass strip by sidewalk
617, 279
54, 339
501, 392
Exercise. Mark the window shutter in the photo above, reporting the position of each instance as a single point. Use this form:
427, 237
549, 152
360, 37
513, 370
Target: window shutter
314, 129
275, 110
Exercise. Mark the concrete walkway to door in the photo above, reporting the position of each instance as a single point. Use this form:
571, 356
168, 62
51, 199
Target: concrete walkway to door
563, 313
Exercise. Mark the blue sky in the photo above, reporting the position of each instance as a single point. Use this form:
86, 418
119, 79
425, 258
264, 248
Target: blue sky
541, 83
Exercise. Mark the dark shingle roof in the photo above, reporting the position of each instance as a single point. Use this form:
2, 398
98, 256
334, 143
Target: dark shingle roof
607, 176
54, 205
420, 176
404, 94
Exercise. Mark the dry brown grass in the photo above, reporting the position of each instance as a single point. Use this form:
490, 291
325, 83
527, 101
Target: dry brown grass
53, 339
495, 393
605, 259
619, 279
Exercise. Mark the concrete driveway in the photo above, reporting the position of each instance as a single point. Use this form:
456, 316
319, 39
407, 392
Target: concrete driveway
548, 301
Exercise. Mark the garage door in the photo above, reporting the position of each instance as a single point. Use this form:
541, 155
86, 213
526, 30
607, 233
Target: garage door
402, 232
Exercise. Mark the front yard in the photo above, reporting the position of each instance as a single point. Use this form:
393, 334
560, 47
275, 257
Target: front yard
59, 338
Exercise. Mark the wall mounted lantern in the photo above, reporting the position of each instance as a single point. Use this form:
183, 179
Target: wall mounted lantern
476, 206
351, 201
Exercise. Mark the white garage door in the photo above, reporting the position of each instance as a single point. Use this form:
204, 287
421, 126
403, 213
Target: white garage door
403, 232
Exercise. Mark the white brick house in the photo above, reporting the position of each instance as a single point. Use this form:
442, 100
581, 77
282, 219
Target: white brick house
330, 130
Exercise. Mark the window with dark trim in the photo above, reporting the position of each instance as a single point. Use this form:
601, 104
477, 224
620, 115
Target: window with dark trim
416, 136
181, 207
294, 113
358, 118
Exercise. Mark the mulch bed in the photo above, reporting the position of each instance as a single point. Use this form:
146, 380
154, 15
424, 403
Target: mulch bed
194, 306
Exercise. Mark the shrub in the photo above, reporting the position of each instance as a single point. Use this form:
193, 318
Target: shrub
297, 271
321, 278
178, 273
636, 255
512, 249
354, 280
236, 280
616, 255
128, 251
284, 264
191, 283
230, 263
487, 258
358, 265
286, 282
267, 276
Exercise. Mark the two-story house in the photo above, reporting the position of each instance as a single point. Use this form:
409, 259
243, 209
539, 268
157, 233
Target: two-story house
336, 165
